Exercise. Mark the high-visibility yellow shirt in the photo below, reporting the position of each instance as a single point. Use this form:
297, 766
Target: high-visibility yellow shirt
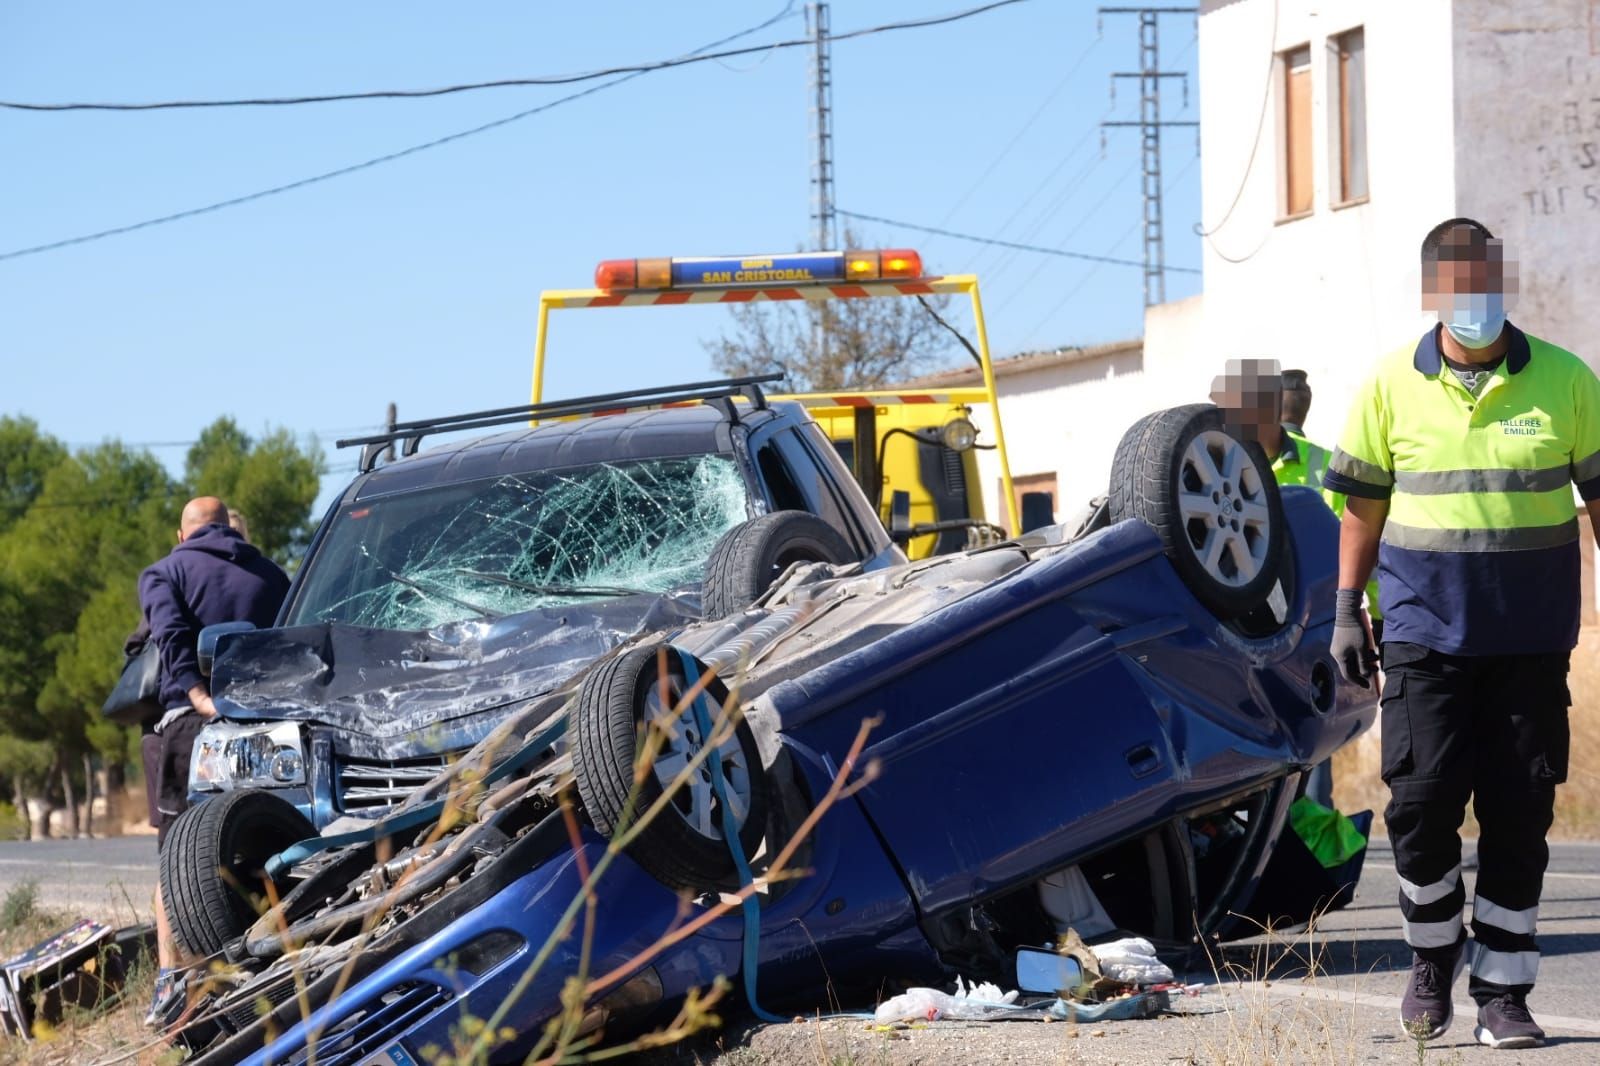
1301, 462
1479, 555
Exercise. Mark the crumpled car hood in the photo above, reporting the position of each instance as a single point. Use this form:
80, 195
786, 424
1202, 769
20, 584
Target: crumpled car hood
387, 684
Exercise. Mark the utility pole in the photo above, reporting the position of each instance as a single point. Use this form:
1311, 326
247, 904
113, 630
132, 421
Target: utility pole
824, 233
1150, 123
824, 226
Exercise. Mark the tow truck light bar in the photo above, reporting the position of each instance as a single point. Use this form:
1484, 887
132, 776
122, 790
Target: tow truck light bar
795, 268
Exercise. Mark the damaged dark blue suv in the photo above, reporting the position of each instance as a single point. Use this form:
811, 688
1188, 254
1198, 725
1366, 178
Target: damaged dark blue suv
445, 590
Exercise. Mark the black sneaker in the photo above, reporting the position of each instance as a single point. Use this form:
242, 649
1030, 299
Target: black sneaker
1425, 1010
1504, 1022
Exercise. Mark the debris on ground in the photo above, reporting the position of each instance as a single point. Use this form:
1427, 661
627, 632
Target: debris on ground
81, 967
929, 1004
1132, 960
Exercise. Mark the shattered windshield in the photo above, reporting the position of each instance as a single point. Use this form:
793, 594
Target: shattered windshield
487, 548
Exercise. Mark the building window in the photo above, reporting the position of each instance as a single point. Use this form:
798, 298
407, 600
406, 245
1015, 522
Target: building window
1350, 54
1024, 484
1297, 132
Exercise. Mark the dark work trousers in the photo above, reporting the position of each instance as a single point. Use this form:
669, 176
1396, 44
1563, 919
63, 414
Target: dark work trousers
1493, 728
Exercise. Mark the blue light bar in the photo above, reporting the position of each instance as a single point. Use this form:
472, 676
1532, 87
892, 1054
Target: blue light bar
795, 268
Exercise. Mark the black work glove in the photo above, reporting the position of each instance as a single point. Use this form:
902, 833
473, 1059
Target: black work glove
1352, 644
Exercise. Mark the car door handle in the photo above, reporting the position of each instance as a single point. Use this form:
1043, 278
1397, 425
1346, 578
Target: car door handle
1143, 760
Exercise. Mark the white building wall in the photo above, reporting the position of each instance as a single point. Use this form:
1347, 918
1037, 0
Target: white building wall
1527, 114
1330, 292
1486, 108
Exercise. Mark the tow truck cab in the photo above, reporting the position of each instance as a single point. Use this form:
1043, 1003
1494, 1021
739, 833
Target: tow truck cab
919, 443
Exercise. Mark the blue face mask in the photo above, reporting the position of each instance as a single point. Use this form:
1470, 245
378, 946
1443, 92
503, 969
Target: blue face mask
1476, 320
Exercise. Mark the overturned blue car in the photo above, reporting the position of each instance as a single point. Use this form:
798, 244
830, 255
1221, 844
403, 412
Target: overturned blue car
851, 781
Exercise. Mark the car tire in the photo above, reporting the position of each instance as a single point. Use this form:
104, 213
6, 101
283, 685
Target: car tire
211, 864
1211, 498
683, 846
751, 556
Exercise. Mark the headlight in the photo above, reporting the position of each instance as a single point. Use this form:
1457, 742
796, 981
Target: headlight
229, 755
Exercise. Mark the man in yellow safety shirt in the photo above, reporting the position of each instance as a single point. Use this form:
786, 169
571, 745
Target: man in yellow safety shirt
1458, 463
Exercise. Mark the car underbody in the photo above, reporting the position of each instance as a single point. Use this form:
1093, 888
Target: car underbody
1142, 743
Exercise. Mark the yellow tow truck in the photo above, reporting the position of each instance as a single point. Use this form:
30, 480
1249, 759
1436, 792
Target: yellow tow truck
913, 451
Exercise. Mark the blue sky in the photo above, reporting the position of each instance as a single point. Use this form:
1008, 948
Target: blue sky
416, 281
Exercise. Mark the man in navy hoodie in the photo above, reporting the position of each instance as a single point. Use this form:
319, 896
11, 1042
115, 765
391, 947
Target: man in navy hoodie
213, 575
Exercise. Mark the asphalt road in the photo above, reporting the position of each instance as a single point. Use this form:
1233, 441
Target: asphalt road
112, 879
1347, 1012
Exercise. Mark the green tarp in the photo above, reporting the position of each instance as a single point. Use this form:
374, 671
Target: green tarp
1329, 835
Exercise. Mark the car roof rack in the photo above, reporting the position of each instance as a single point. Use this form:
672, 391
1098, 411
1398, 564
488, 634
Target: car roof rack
720, 394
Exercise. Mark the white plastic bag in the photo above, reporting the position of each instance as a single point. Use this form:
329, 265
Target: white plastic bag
930, 1004
1132, 960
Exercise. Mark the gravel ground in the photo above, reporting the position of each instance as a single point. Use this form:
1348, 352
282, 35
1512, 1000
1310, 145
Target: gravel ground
1241, 1028
1346, 1013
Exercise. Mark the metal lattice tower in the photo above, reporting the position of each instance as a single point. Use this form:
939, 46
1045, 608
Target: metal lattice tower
824, 233
1150, 123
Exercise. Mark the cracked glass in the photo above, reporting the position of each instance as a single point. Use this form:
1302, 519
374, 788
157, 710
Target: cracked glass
489, 548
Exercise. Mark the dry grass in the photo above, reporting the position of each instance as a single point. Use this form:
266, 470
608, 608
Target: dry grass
1355, 768
1256, 1023
101, 1034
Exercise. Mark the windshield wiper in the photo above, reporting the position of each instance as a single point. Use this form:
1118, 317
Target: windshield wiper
553, 590
428, 590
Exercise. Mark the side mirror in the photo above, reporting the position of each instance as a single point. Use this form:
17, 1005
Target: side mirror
1042, 972
1038, 510
207, 648
900, 515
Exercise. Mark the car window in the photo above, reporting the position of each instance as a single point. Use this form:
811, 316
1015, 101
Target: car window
868, 525
781, 487
493, 547
815, 485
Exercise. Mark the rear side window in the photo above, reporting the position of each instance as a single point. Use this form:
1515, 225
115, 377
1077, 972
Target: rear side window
781, 485
803, 469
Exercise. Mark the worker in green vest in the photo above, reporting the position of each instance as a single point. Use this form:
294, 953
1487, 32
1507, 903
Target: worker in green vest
1300, 462
1296, 460
1268, 406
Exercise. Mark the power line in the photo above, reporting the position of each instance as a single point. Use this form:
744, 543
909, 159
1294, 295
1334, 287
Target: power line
1255, 145
506, 83
1083, 217
261, 194
1068, 193
275, 190
1044, 183
1092, 212
1119, 242
1026, 126
1008, 244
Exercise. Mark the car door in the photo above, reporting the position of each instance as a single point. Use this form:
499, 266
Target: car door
1013, 737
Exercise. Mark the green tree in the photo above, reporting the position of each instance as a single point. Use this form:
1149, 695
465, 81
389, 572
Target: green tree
26, 457
76, 530
98, 519
273, 481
